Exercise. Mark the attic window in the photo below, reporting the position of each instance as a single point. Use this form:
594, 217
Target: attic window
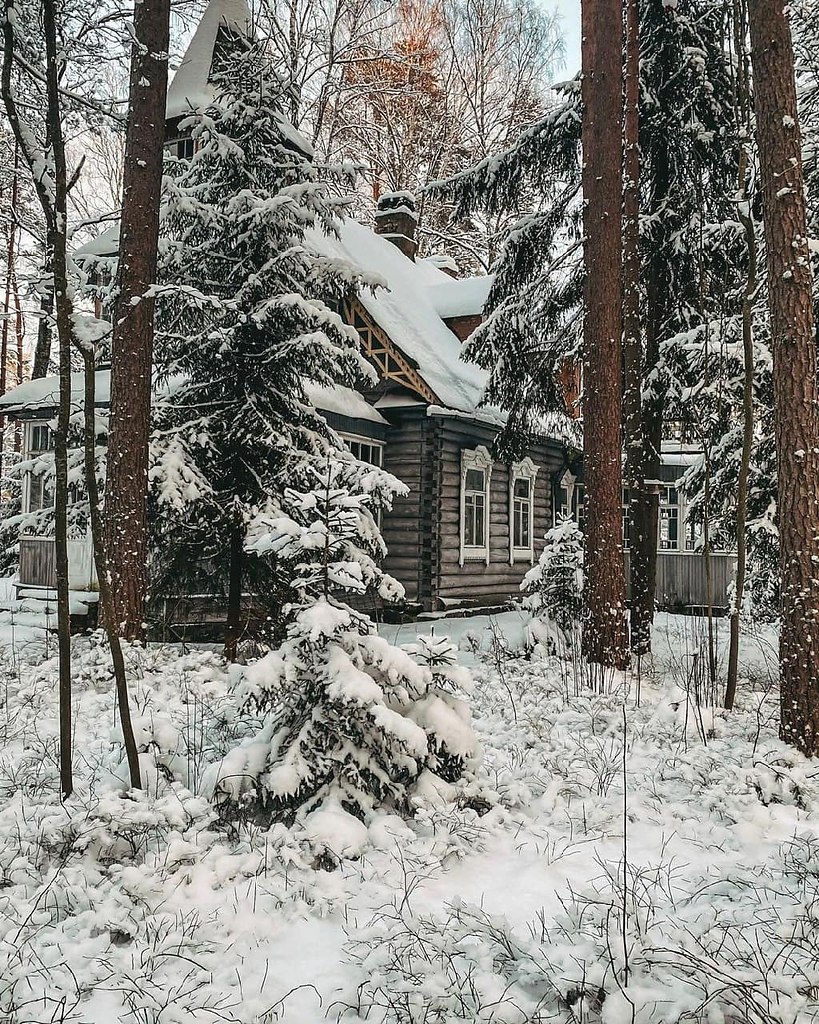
476, 475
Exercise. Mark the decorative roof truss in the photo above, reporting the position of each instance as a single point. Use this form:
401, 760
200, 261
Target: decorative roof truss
391, 363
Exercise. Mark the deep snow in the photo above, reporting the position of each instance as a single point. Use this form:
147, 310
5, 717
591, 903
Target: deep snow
504, 907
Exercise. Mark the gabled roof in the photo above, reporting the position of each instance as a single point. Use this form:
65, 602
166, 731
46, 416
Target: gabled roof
403, 307
190, 87
409, 305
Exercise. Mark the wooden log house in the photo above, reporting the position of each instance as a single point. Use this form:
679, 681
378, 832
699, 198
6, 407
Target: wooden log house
471, 525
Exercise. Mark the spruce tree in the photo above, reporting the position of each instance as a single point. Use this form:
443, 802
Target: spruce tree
351, 722
245, 318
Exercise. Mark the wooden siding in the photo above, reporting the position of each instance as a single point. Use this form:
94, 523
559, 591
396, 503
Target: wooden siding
407, 529
681, 579
37, 562
475, 582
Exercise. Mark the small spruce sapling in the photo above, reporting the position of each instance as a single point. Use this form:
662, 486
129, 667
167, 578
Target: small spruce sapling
352, 722
553, 589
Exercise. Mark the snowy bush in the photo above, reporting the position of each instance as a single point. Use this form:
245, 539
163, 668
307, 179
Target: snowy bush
352, 722
553, 588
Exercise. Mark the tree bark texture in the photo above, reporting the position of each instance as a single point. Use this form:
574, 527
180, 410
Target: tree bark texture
796, 401
639, 510
605, 633
132, 343
10, 258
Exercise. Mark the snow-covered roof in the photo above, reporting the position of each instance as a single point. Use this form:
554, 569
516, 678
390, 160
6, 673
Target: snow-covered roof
344, 402
465, 296
44, 393
403, 308
106, 244
190, 87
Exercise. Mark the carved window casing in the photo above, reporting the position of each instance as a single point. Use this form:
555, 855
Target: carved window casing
476, 479
522, 477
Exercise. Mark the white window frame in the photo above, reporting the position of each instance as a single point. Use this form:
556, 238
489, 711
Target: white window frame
523, 470
373, 442
28, 435
479, 459
679, 543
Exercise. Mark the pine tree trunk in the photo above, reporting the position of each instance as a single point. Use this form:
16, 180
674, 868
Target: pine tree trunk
796, 401
233, 625
639, 510
605, 633
132, 344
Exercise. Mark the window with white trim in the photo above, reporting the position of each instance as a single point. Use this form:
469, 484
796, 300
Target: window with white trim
669, 519
522, 477
476, 474
39, 490
365, 449
579, 506
181, 147
40, 438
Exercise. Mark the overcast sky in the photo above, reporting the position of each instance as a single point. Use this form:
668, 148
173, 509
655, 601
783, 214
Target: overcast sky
569, 11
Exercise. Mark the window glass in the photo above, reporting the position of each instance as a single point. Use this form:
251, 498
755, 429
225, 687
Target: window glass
366, 451
669, 519
579, 502
40, 492
626, 522
42, 439
522, 513
474, 519
475, 508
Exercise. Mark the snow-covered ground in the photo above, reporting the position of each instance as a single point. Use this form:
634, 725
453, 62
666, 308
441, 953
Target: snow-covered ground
507, 906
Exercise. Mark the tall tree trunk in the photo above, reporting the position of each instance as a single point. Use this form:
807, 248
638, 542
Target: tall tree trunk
605, 633
745, 217
20, 332
51, 185
126, 505
10, 249
639, 510
796, 399
59, 244
101, 563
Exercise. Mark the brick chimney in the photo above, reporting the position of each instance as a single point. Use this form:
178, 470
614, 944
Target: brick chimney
397, 220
